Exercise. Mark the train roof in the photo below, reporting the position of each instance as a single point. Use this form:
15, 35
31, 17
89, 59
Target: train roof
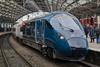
49, 15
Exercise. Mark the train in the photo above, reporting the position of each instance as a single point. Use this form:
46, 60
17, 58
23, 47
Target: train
58, 35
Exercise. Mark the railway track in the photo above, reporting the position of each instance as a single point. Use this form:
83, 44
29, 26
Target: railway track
52, 63
8, 53
4, 58
9, 57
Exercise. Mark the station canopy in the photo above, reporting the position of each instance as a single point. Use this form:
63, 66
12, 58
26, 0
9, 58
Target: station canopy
14, 9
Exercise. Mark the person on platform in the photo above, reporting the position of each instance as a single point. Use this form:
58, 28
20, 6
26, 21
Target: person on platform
97, 34
92, 34
86, 30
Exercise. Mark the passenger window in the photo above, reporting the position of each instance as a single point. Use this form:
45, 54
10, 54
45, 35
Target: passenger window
33, 29
28, 30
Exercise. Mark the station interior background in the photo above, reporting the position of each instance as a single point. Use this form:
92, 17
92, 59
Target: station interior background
87, 11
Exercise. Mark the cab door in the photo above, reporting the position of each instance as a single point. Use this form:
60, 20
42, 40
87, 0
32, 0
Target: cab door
39, 34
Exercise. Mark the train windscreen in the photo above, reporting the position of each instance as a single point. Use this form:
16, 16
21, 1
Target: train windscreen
64, 21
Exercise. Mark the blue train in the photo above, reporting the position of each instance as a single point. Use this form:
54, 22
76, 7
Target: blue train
56, 35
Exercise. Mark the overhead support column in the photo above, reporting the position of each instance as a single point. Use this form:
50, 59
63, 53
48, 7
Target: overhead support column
70, 4
34, 4
48, 5
57, 4
62, 4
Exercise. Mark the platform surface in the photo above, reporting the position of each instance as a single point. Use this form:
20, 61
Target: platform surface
94, 46
2, 33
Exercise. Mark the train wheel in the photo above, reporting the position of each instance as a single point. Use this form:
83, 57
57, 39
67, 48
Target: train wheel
51, 53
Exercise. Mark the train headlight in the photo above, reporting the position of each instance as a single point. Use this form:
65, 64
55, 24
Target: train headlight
84, 36
61, 37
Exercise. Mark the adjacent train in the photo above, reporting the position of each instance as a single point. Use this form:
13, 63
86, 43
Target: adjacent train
56, 35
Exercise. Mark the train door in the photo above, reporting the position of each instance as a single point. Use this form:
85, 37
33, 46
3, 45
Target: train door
39, 34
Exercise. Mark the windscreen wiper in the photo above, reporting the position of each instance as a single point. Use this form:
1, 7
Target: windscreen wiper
71, 30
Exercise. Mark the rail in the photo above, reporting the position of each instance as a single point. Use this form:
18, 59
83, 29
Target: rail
4, 55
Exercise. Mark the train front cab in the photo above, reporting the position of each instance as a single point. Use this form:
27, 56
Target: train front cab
58, 38
65, 35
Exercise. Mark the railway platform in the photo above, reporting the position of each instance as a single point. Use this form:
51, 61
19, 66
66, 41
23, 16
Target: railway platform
2, 33
94, 46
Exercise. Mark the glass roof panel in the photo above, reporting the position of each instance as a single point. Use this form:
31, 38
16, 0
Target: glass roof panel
23, 7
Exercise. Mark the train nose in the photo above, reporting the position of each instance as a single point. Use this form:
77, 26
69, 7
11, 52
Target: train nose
78, 53
79, 47
77, 42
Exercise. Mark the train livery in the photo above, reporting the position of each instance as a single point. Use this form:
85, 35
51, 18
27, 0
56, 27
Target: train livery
56, 35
